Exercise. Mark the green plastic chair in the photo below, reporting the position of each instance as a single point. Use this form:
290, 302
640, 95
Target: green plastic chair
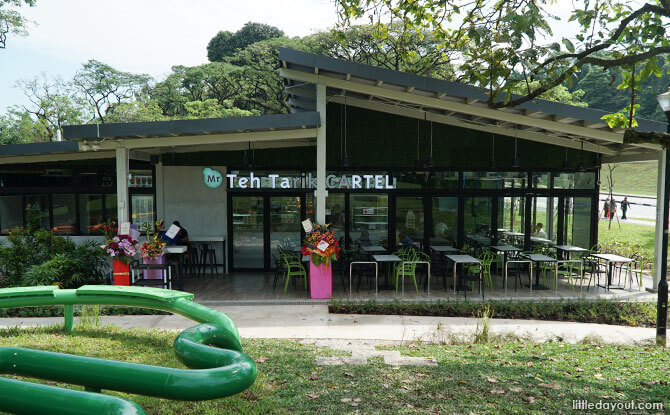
486, 258
567, 270
294, 269
407, 269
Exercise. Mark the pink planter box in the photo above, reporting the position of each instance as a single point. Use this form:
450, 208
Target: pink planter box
320, 280
154, 274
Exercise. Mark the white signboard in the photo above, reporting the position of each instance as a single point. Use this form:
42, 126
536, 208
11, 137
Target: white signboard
307, 225
172, 231
124, 228
322, 246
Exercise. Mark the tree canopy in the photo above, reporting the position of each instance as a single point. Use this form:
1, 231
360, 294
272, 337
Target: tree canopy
505, 45
225, 43
11, 21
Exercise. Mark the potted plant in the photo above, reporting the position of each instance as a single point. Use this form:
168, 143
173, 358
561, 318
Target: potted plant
122, 249
323, 248
153, 249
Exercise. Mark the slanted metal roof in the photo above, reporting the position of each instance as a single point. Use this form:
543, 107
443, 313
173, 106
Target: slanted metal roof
192, 127
455, 104
38, 148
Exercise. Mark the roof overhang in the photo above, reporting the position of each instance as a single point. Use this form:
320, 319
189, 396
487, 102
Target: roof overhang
454, 104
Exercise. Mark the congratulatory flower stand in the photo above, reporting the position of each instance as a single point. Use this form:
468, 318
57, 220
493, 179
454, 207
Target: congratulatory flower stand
323, 248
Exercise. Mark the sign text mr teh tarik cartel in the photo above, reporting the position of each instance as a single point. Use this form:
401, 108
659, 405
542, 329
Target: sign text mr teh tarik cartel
275, 181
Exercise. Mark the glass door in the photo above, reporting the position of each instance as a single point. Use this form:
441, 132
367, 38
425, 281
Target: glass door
285, 223
409, 221
247, 216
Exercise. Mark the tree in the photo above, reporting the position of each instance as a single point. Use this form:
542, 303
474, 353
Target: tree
51, 101
225, 43
364, 44
104, 86
499, 44
11, 21
18, 126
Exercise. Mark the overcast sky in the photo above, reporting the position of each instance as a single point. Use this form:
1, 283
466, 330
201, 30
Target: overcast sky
141, 36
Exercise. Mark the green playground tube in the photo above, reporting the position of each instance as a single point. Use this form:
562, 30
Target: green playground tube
212, 350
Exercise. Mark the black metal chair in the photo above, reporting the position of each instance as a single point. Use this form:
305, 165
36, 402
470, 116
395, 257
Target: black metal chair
208, 259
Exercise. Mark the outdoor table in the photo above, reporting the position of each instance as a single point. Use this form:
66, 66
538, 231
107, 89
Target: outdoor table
568, 249
386, 260
505, 249
444, 249
611, 260
543, 241
542, 258
515, 235
465, 259
479, 240
373, 249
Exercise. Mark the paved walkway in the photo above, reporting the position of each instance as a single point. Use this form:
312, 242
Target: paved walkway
314, 322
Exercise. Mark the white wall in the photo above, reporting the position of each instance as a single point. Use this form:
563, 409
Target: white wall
201, 210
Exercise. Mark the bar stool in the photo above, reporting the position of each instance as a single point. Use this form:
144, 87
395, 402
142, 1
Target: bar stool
192, 260
208, 258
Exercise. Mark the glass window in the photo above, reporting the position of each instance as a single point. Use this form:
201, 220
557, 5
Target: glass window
511, 214
64, 214
477, 216
578, 221
247, 214
105, 179
111, 209
90, 214
412, 180
445, 221
541, 180
369, 219
140, 179
142, 210
495, 180
36, 177
284, 223
443, 180
11, 213
409, 221
335, 214
543, 218
578, 180
41, 202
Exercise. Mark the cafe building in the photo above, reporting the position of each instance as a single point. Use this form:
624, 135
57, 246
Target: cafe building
383, 156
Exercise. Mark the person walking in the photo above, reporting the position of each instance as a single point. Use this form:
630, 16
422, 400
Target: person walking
612, 207
606, 208
624, 207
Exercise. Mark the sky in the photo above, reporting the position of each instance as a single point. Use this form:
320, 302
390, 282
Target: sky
139, 36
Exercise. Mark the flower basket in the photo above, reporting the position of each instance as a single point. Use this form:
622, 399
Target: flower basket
320, 281
120, 272
323, 248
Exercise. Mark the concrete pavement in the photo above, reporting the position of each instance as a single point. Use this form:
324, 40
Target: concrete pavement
314, 322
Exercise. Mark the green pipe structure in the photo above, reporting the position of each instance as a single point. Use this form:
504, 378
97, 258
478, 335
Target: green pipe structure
212, 350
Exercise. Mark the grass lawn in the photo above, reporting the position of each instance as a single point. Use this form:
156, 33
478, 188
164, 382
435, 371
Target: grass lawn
627, 239
475, 379
632, 178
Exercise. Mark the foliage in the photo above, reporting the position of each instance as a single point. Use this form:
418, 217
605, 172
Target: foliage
79, 265
153, 247
626, 239
57, 311
510, 378
630, 313
51, 102
500, 45
35, 256
119, 247
225, 43
11, 21
18, 126
104, 86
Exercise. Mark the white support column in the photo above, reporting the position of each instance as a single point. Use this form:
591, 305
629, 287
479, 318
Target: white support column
122, 169
321, 193
658, 237
160, 202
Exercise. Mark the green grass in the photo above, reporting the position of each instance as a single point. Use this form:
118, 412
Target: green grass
476, 379
631, 178
627, 239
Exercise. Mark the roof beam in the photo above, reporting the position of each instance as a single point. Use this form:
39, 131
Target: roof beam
630, 158
200, 140
45, 158
489, 128
457, 106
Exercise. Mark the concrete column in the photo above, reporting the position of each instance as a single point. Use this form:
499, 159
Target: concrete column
321, 193
658, 238
122, 169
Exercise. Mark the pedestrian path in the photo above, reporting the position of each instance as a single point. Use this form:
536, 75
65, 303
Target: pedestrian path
314, 322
